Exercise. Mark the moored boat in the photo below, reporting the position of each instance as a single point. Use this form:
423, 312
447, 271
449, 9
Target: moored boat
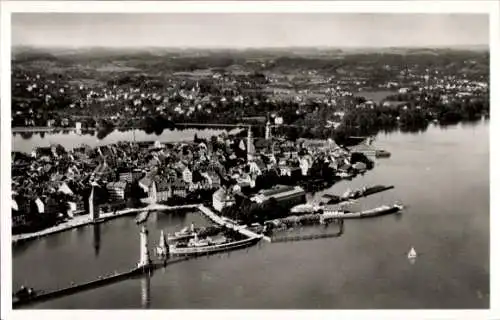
305, 208
208, 246
142, 217
185, 234
379, 211
382, 154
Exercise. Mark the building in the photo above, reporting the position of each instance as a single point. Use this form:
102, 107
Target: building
285, 196
130, 176
117, 190
222, 199
104, 171
19, 219
149, 186
179, 189
214, 179
187, 175
163, 190
41, 151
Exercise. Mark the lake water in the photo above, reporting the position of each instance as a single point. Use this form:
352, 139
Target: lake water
27, 141
441, 175
376, 95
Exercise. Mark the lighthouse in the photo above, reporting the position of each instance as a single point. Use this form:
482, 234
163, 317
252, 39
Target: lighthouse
163, 249
145, 260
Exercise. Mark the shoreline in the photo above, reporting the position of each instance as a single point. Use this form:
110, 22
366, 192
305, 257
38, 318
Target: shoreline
84, 220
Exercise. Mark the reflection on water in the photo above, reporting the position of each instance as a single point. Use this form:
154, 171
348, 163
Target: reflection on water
97, 238
146, 291
26, 141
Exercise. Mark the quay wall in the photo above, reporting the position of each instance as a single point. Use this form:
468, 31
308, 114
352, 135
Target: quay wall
81, 221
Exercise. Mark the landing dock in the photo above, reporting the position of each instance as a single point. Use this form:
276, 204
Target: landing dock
358, 194
228, 224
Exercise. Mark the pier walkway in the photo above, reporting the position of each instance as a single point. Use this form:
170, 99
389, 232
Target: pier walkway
227, 223
99, 282
81, 221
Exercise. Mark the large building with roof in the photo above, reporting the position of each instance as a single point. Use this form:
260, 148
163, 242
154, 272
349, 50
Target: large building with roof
286, 196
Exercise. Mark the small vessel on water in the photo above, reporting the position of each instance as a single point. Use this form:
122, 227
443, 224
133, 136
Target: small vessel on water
142, 217
24, 293
185, 234
196, 246
382, 154
412, 254
345, 214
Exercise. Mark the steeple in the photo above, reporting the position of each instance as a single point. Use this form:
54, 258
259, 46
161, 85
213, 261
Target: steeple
268, 130
250, 147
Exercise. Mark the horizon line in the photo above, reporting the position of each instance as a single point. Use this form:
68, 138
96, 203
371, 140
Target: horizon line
486, 45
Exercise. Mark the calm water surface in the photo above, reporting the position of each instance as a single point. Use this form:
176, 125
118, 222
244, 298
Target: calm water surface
27, 141
442, 176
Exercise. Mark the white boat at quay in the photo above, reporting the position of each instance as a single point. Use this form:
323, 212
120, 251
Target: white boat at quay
206, 246
185, 234
305, 208
379, 211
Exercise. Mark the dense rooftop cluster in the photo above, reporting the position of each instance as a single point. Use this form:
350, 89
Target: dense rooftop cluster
55, 183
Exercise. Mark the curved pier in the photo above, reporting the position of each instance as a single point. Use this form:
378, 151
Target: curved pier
224, 222
99, 282
43, 296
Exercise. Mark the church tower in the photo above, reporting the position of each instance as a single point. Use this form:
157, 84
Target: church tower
250, 146
268, 130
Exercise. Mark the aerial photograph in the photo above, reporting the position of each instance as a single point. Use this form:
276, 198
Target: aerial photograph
250, 160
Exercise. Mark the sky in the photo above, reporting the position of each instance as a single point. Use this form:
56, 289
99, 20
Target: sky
243, 30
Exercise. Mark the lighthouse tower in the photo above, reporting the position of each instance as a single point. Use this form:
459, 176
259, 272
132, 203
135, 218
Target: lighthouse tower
145, 260
268, 130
